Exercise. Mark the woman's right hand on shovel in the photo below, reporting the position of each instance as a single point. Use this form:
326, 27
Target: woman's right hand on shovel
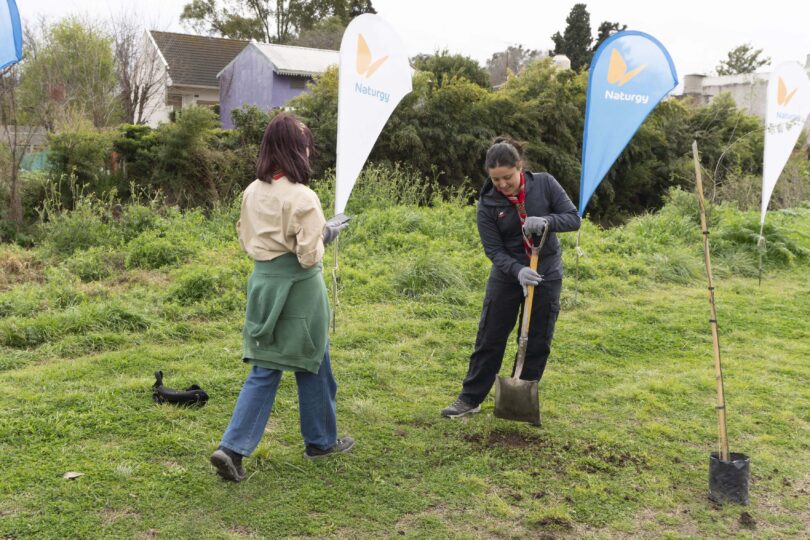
527, 277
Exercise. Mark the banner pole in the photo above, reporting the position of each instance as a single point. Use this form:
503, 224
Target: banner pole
721, 400
334, 287
761, 249
576, 277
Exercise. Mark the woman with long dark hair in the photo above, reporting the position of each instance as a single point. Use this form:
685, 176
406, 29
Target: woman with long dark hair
513, 205
282, 227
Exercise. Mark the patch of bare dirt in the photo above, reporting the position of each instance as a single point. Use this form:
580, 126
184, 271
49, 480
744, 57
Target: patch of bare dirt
112, 515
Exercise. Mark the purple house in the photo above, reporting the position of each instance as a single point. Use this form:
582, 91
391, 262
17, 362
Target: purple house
269, 76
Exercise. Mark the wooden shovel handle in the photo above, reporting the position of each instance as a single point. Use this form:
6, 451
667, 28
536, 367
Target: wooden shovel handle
527, 308
523, 341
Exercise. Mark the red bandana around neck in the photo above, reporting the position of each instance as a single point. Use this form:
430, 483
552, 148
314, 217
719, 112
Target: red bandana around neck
519, 201
279, 174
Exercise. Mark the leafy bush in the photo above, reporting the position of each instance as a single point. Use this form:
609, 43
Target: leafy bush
444, 126
85, 153
136, 219
249, 124
34, 187
181, 155
793, 187
445, 66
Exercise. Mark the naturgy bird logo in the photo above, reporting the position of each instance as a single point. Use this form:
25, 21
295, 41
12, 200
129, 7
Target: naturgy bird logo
782, 95
365, 66
618, 75
617, 71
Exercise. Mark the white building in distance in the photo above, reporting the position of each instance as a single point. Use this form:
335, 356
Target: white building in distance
749, 91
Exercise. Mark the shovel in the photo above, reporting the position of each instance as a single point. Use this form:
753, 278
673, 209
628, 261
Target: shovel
516, 399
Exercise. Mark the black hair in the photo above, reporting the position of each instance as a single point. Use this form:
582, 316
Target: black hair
504, 152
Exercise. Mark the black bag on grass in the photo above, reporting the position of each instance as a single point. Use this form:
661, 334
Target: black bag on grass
192, 396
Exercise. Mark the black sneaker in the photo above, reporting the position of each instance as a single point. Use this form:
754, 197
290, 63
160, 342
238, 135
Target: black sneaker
460, 408
228, 464
342, 445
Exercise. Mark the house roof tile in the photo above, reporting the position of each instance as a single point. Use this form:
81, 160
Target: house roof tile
196, 60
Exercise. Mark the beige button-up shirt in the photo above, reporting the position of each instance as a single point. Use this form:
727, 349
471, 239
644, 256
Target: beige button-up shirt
281, 217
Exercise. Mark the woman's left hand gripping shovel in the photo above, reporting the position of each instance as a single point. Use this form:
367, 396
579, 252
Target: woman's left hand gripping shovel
516, 399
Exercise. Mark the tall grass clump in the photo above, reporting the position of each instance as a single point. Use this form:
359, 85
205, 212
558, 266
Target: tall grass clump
198, 283
156, 249
427, 273
17, 265
95, 263
85, 224
382, 185
738, 235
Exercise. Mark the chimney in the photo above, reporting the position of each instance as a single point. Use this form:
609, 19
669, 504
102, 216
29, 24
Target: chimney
693, 84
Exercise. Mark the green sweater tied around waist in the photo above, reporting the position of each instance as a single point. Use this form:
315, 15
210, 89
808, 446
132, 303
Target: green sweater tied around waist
287, 316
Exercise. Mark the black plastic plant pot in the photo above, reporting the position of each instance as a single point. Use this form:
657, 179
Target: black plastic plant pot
728, 480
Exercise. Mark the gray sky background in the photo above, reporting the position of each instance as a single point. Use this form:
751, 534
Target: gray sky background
697, 33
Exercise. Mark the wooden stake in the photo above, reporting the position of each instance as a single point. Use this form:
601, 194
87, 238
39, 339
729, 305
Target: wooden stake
721, 401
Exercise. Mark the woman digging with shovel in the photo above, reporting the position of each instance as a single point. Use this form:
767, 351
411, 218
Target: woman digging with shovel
513, 207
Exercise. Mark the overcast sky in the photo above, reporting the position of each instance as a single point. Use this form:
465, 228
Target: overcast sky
697, 33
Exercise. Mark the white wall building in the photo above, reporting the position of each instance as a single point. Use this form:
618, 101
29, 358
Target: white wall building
188, 70
748, 91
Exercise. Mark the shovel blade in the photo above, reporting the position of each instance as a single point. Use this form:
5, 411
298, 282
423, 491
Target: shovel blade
516, 399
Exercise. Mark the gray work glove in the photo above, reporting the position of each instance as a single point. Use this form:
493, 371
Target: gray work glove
332, 228
534, 225
527, 277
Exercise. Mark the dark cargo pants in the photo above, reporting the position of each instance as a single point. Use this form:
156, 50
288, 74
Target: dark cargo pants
503, 302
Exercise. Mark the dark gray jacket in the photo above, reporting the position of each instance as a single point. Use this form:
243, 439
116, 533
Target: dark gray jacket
499, 226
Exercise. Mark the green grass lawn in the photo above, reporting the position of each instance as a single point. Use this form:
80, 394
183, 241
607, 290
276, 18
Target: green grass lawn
627, 400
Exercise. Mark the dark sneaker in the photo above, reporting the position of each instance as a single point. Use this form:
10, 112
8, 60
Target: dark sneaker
460, 408
228, 464
342, 445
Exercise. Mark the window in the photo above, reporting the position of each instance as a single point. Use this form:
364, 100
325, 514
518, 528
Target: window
298, 82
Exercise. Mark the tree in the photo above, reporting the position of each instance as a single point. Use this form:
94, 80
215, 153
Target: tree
575, 42
326, 34
361, 6
445, 66
512, 59
71, 69
269, 21
742, 59
606, 29
18, 136
250, 20
137, 67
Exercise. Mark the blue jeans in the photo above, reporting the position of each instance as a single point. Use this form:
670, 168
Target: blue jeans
316, 408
